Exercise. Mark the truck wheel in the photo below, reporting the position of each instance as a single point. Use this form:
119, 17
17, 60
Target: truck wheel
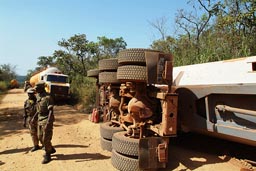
107, 131
124, 163
108, 77
132, 73
106, 144
108, 64
125, 145
133, 56
93, 73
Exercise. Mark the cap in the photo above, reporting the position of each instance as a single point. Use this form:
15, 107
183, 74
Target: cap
40, 84
31, 91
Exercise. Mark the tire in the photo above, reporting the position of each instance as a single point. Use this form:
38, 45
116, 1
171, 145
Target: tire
133, 56
108, 64
132, 73
107, 131
125, 145
124, 163
93, 73
106, 144
108, 77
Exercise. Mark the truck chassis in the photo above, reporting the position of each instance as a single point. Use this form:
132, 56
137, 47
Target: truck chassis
143, 108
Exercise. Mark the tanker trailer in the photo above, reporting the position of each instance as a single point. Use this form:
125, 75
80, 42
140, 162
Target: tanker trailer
57, 83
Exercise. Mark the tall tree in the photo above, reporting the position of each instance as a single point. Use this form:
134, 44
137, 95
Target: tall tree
109, 48
237, 23
44, 61
165, 43
7, 72
214, 30
195, 23
160, 25
77, 54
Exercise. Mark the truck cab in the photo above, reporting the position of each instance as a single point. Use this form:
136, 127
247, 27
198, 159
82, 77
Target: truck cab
57, 84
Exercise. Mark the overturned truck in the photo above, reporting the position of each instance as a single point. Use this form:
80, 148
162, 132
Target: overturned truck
144, 106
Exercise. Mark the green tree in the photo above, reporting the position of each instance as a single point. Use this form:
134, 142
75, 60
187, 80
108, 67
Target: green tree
109, 48
7, 72
77, 54
80, 55
44, 61
166, 45
215, 30
236, 22
196, 23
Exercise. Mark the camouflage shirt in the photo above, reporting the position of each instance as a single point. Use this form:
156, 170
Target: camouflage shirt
43, 102
30, 107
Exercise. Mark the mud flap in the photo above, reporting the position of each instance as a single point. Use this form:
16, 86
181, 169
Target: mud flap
153, 153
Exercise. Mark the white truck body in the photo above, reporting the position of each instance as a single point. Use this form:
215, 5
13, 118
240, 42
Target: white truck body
235, 71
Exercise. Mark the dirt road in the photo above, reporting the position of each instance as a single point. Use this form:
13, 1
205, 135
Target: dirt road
77, 142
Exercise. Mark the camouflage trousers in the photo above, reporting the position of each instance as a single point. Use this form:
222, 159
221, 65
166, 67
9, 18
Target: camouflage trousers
45, 132
33, 132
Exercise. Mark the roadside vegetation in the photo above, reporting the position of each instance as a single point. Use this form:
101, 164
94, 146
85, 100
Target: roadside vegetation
213, 30
7, 76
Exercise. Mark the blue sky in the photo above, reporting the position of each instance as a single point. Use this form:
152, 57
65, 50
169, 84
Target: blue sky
32, 28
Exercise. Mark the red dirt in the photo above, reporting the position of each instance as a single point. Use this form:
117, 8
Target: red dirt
77, 141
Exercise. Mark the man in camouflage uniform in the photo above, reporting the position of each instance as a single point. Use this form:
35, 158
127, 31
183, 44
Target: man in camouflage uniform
45, 120
30, 116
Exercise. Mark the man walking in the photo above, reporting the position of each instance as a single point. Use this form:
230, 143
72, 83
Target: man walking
45, 120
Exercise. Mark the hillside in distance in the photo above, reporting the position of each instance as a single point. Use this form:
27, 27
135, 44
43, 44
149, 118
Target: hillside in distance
20, 79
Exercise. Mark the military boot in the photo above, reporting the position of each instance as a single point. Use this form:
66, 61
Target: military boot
36, 147
53, 150
47, 158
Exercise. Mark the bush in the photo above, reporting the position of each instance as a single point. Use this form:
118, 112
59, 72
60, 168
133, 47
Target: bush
84, 93
89, 98
3, 86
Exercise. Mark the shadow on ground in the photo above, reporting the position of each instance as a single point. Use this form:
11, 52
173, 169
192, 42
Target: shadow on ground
27, 149
81, 156
11, 121
201, 150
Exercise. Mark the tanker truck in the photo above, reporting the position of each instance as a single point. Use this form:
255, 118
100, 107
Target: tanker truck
57, 83
14, 83
157, 101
